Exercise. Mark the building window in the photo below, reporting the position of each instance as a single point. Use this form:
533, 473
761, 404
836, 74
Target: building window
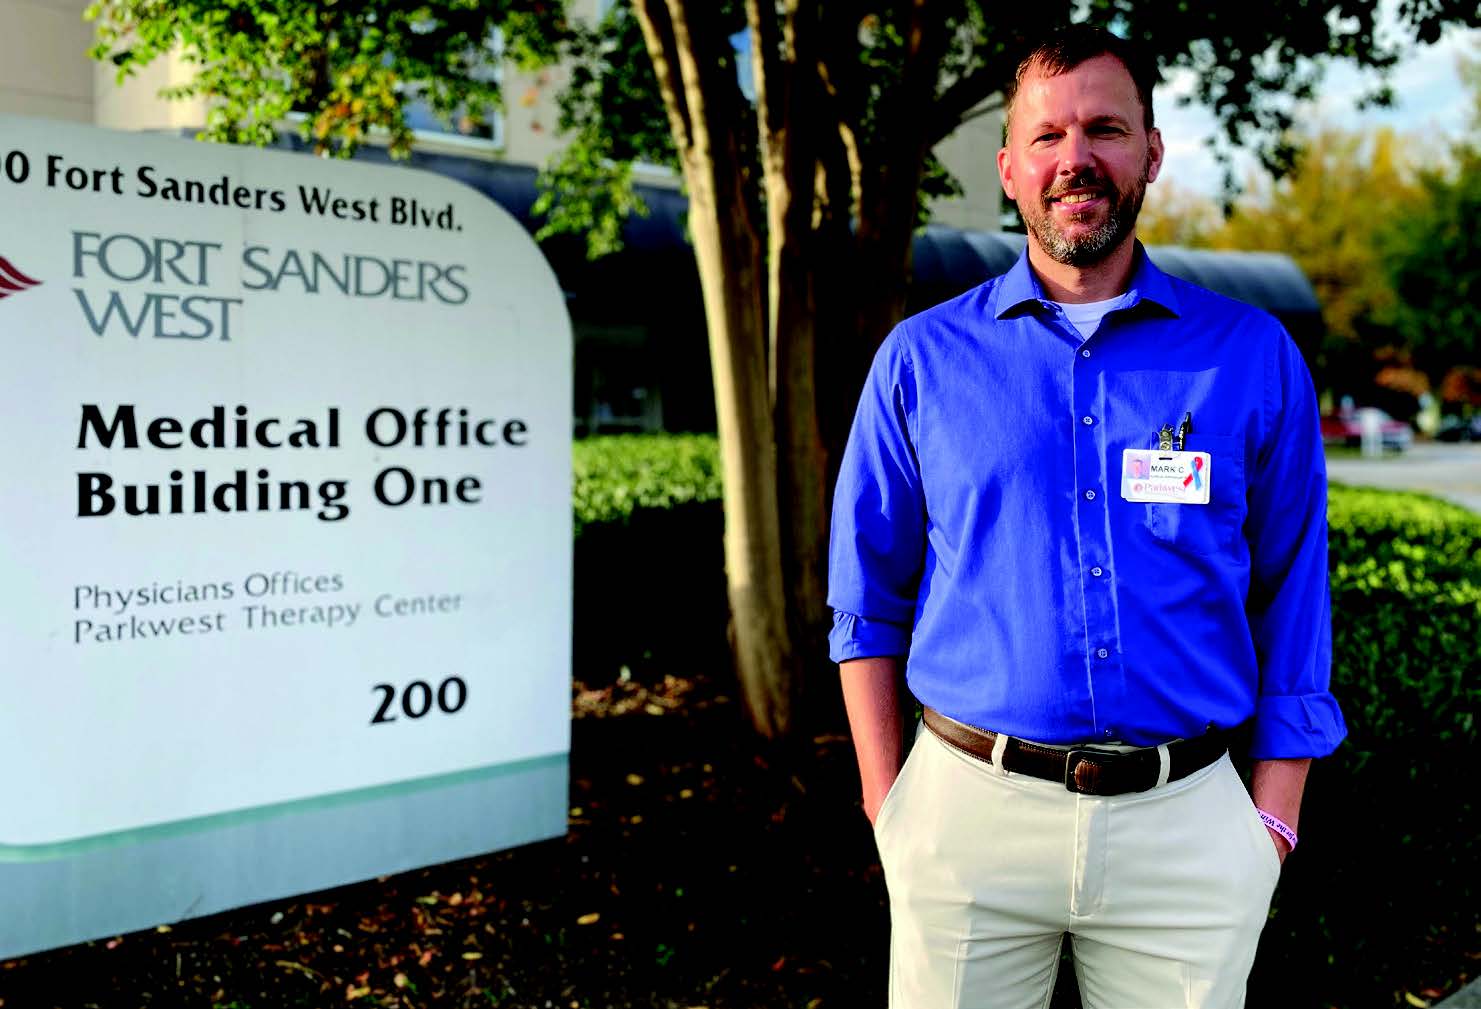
486, 128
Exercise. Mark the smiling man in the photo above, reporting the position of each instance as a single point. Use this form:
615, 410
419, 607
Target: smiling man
1083, 510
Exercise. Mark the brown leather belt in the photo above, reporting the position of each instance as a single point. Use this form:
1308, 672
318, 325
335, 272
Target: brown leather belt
1081, 770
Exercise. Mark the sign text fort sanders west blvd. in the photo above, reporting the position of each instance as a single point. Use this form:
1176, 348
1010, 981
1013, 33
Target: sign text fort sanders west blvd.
149, 182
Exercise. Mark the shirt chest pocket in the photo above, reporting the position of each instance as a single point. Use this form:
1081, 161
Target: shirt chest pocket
1211, 528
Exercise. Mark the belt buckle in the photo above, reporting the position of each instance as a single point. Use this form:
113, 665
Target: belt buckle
1095, 762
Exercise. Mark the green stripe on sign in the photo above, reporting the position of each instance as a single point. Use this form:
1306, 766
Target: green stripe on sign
355, 796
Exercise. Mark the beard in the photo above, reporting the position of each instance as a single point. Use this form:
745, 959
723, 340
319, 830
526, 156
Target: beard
1089, 247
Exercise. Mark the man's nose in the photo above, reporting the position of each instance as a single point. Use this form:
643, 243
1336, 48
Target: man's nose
1074, 153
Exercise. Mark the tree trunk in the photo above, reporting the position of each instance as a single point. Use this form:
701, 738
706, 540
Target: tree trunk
804, 463
731, 281
703, 109
772, 448
787, 96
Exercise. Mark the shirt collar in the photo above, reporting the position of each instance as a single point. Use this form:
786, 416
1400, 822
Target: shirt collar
1020, 290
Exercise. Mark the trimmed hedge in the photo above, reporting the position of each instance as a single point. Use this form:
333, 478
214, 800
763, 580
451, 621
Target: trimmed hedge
1382, 896
619, 475
1406, 599
650, 563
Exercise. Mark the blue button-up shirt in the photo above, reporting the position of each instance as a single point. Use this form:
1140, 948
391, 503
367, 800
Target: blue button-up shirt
979, 527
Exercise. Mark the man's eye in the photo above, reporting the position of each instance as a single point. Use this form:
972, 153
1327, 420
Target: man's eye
1045, 136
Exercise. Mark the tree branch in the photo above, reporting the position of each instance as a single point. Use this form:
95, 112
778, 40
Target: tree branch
663, 50
697, 60
840, 90
967, 99
985, 109
892, 164
837, 66
836, 185
849, 138
767, 66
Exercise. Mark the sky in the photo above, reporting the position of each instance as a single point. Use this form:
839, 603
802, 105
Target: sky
1428, 93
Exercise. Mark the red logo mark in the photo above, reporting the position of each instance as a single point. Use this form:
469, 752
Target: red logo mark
12, 280
1195, 477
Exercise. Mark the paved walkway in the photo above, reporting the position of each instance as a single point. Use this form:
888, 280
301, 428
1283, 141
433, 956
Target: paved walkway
1445, 470
1468, 997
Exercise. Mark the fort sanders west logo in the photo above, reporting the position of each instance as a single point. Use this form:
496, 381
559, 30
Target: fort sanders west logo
112, 268
13, 281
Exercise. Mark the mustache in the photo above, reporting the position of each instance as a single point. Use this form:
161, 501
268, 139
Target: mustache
1088, 179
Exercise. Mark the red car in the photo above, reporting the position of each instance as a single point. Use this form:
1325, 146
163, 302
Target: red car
1346, 428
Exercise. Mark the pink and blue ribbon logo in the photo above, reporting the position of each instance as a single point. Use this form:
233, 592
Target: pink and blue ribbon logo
1196, 476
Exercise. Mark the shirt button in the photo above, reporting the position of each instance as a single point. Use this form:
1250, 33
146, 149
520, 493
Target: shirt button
1108, 733
1084, 353
1102, 653
1090, 495
1096, 572
1087, 421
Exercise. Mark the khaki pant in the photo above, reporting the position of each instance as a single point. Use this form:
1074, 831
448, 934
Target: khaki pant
1163, 892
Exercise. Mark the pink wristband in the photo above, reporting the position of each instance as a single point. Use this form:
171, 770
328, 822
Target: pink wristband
1278, 825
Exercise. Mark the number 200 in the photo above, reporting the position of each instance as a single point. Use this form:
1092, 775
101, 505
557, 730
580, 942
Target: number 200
416, 698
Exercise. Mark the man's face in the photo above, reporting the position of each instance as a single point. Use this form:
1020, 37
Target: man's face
1078, 159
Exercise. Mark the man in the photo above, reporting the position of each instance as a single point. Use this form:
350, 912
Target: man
1083, 505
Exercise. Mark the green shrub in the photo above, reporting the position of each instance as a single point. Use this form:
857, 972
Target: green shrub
1382, 896
650, 561
1406, 599
618, 475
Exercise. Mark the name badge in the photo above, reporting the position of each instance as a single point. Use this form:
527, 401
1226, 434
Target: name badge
1166, 477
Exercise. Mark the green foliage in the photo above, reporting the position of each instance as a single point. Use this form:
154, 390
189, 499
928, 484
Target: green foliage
1382, 893
1434, 257
609, 120
1406, 594
618, 475
350, 68
583, 193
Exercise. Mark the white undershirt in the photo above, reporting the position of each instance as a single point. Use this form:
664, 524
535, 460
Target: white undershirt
1086, 315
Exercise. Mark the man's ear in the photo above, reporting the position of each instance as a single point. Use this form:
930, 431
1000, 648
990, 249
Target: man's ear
1154, 154
1005, 174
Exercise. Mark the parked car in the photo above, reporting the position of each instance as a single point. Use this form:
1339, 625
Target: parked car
1460, 428
1346, 428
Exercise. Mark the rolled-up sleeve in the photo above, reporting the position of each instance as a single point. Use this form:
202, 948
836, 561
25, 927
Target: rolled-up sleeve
879, 516
1290, 600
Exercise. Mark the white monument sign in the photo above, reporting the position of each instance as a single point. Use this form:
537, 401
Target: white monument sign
285, 528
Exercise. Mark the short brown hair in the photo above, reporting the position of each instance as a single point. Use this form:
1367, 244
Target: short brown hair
1069, 47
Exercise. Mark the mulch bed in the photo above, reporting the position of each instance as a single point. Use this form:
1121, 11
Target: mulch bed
698, 871
693, 874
